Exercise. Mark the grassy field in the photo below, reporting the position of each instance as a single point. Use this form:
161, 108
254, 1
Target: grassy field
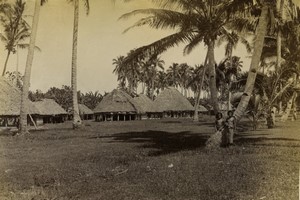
154, 159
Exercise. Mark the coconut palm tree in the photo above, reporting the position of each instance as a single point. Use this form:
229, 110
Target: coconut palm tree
184, 72
194, 22
196, 83
266, 19
76, 117
155, 63
120, 71
173, 74
161, 79
26, 81
15, 29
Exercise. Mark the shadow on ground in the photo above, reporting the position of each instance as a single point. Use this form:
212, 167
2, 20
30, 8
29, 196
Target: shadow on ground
163, 142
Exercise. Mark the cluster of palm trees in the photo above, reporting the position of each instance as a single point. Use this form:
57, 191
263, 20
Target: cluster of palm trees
152, 76
214, 21
211, 22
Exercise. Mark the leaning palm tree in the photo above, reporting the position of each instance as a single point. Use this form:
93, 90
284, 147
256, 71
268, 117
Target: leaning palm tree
76, 117
15, 29
26, 81
266, 20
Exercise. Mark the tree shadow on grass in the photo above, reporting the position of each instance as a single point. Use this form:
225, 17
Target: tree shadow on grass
162, 142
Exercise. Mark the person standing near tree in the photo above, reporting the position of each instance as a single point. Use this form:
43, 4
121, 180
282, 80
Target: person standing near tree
231, 126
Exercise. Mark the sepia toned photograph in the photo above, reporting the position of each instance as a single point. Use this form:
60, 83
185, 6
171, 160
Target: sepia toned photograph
149, 99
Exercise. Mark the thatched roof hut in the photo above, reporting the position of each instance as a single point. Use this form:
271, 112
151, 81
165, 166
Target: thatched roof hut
202, 109
118, 101
49, 107
170, 99
146, 104
84, 110
10, 99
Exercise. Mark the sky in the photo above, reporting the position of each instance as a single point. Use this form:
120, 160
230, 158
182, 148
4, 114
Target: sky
100, 40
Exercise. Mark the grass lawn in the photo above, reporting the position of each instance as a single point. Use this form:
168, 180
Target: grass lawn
153, 159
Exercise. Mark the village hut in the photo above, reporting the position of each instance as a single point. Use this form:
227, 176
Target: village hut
85, 113
173, 104
202, 110
10, 104
148, 109
50, 112
117, 106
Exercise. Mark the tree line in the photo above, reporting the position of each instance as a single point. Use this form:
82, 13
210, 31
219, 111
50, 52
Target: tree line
266, 27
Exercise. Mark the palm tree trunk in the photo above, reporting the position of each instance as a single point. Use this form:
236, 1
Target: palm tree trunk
152, 89
26, 81
76, 117
258, 46
212, 77
230, 77
198, 91
278, 41
6, 61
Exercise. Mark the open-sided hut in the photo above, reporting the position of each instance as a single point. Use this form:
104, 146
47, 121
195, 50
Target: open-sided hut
85, 113
10, 104
173, 104
148, 109
117, 106
50, 111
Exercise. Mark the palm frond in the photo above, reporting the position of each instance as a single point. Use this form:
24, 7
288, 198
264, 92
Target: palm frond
159, 19
25, 46
159, 46
195, 40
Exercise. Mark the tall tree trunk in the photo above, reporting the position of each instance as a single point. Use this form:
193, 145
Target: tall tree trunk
212, 76
258, 46
26, 81
6, 61
76, 117
152, 89
198, 91
278, 41
230, 77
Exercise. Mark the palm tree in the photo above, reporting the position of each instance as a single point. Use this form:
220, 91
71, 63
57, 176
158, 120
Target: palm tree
155, 64
15, 30
194, 22
120, 70
196, 83
76, 117
173, 74
161, 79
266, 19
26, 81
184, 72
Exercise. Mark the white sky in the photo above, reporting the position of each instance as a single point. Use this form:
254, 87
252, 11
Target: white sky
100, 40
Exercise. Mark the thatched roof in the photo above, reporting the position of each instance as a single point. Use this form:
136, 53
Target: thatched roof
118, 101
170, 99
84, 110
49, 107
146, 104
10, 99
202, 109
